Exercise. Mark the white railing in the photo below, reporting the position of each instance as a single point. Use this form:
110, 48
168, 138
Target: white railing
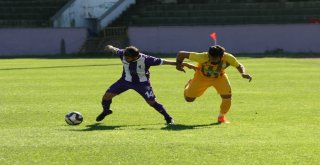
113, 13
85, 13
94, 15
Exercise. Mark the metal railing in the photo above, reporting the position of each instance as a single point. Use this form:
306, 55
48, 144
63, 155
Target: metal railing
115, 32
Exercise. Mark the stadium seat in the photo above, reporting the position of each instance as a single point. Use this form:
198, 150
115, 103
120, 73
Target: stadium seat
28, 13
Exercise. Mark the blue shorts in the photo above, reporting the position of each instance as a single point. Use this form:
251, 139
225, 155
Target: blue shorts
143, 88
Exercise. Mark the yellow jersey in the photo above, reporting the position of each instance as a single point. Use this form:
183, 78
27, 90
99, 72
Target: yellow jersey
210, 70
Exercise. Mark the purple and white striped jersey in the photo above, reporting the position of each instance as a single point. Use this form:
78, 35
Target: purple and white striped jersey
138, 70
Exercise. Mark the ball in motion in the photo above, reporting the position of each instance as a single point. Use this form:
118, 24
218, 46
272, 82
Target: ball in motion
73, 118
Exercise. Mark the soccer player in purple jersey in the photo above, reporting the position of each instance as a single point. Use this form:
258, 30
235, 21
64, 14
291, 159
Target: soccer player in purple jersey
135, 76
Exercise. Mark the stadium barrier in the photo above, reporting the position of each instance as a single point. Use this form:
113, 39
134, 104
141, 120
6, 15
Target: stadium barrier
293, 38
41, 41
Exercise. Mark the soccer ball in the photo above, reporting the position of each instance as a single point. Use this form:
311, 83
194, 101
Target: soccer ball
73, 118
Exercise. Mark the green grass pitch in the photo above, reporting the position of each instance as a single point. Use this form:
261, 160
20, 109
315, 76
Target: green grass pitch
274, 119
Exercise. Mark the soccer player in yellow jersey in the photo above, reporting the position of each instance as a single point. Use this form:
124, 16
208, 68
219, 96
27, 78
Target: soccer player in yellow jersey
211, 72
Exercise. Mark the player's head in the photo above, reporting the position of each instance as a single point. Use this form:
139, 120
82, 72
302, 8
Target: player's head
131, 53
215, 54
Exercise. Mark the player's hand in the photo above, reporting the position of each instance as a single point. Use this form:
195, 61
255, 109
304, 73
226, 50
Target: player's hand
190, 66
108, 48
246, 76
179, 67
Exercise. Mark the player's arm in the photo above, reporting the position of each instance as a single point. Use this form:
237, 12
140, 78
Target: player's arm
179, 60
168, 62
110, 48
243, 73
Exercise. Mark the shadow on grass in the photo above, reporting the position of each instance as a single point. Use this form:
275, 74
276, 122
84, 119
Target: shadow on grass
99, 127
181, 127
175, 127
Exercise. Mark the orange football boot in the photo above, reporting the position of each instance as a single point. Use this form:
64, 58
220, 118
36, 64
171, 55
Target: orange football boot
223, 119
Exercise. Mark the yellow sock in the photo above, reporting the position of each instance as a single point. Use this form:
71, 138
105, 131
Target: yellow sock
225, 106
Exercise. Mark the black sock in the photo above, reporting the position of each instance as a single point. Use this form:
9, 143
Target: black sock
106, 104
161, 110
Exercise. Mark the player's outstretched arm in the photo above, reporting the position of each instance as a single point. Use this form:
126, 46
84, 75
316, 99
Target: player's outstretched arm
179, 59
190, 66
110, 48
168, 62
242, 70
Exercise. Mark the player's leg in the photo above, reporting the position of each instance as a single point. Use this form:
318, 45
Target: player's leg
224, 108
195, 88
145, 90
161, 109
107, 100
225, 104
188, 99
115, 89
222, 86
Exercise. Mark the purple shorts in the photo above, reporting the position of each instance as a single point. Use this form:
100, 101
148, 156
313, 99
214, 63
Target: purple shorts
143, 88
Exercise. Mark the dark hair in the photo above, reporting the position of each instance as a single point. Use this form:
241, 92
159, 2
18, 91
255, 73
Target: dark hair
216, 51
131, 51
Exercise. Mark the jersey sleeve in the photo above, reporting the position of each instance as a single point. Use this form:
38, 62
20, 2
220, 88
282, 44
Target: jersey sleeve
153, 61
198, 57
120, 53
230, 59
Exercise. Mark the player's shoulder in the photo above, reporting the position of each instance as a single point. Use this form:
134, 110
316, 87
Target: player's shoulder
199, 53
146, 56
143, 55
227, 55
199, 57
229, 58
150, 60
119, 52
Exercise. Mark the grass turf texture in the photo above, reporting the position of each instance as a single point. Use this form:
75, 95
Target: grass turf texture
274, 119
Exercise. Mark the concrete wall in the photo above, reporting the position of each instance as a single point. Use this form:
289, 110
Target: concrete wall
40, 41
236, 39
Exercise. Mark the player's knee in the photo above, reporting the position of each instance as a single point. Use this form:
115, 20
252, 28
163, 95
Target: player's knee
226, 96
189, 99
105, 97
151, 103
108, 96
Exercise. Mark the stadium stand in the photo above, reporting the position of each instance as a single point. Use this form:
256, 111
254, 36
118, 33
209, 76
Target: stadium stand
37, 13
218, 12
205, 12
28, 13
117, 36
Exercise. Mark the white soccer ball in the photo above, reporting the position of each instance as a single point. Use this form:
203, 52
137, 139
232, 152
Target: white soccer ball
73, 118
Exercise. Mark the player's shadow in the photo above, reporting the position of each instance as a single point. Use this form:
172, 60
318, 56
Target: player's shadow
98, 126
175, 127
181, 127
